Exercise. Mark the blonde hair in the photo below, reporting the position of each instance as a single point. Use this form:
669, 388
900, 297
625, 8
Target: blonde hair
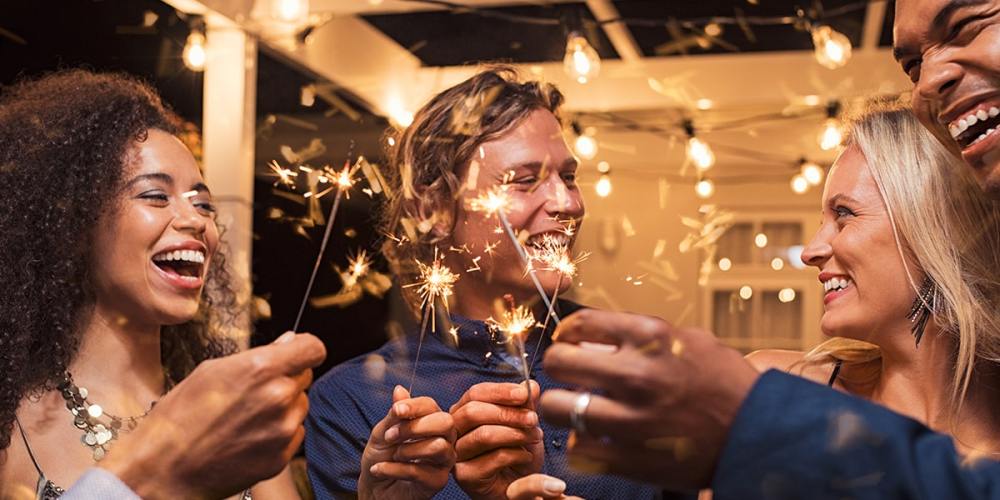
944, 223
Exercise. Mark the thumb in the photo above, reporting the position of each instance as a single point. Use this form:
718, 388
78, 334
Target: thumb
399, 394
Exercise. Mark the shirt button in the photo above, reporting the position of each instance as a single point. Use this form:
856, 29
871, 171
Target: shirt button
556, 443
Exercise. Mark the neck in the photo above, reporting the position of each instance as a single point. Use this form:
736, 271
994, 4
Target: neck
919, 383
475, 299
119, 361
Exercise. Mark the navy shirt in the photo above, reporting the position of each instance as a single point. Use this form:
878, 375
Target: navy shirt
348, 401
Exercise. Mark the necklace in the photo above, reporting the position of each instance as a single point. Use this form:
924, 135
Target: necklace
99, 427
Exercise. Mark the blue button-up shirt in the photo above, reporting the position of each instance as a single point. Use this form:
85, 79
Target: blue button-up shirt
348, 401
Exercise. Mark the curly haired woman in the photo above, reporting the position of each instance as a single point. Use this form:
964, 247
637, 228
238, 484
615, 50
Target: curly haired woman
114, 287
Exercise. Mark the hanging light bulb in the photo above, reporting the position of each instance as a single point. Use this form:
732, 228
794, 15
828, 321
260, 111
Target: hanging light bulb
585, 145
698, 151
290, 11
603, 186
581, 62
812, 172
194, 51
831, 135
705, 188
799, 184
833, 48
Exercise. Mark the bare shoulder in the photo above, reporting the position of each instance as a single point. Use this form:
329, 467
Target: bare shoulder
789, 361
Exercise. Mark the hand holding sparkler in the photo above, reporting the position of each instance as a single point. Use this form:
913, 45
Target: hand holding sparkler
410, 453
499, 439
538, 486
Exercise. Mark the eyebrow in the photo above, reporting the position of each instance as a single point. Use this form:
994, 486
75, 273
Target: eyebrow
201, 187
537, 165
841, 197
939, 22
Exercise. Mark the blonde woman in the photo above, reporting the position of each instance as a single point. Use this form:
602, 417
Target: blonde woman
908, 253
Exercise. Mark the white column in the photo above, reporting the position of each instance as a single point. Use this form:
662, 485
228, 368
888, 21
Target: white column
230, 91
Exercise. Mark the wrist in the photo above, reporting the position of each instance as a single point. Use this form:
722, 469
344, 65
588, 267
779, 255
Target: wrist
149, 479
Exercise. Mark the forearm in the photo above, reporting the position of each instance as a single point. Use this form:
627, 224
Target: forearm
800, 439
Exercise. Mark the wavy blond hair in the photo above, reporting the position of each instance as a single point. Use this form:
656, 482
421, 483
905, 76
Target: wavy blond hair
943, 222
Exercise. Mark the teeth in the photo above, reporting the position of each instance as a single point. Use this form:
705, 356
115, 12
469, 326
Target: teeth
993, 112
982, 115
836, 284
962, 124
982, 136
195, 256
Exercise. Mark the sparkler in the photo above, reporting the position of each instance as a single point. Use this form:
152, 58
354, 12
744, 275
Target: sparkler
496, 202
515, 323
343, 180
554, 256
436, 281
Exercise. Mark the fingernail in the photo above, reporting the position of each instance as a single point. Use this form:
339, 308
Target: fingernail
285, 338
392, 433
374, 469
553, 486
532, 418
401, 409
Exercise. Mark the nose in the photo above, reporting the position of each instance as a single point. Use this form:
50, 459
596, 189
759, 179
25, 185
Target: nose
188, 219
560, 200
819, 250
939, 76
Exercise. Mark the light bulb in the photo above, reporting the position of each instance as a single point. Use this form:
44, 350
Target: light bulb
786, 295
194, 51
833, 48
581, 62
705, 188
585, 145
830, 136
777, 264
760, 240
700, 154
603, 186
725, 264
290, 11
812, 172
746, 292
799, 184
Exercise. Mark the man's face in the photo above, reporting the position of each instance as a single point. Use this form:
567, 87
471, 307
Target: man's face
950, 49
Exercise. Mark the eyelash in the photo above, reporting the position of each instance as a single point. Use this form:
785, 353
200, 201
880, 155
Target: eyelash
842, 211
956, 30
204, 205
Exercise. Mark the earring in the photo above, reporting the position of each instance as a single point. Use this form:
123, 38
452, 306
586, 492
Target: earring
923, 308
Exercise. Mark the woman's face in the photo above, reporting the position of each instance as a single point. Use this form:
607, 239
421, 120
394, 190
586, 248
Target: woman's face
540, 171
867, 290
153, 248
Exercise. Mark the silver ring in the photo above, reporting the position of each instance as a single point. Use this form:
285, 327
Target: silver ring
577, 416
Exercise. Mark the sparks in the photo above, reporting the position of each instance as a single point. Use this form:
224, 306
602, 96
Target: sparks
285, 176
494, 201
436, 281
514, 323
553, 255
357, 266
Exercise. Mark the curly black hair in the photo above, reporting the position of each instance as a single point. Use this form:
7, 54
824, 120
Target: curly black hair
64, 143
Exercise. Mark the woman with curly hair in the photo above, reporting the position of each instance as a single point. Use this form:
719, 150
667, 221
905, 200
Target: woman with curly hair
114, 287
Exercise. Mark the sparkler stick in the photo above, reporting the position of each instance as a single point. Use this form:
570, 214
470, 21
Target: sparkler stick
496, 202
344, 182
436, 281
515, 323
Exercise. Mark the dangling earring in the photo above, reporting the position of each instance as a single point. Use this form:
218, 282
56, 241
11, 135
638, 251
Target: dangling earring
923, 308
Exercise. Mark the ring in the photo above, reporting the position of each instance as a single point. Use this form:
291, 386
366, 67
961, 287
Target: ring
577, 416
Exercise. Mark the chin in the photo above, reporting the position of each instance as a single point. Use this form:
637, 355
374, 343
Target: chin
991, 183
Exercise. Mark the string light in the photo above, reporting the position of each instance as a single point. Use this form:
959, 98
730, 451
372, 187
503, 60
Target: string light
290, 11
194, 51
603, 186
760, 240
705, 188
786, 295
585, 145
698, 152
704, 104
833, 48
581, 62
812, 172
777, 264
746, 292
831, 134
725, 264
799, 184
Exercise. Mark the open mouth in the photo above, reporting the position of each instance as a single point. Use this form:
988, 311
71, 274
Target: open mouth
185, 265
975, 126
549, 242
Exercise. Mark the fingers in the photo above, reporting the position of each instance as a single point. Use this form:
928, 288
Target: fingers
579, 366
437, 451
402, 410
430, 476
497, 393
291, 356
606, 327
490, 437
477, 413
487, 465
437, 424
536, 486
603, 416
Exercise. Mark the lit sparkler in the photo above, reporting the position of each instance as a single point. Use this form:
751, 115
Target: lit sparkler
495, 202
515, 324
343, 181
436, 282
286, 177
553, 255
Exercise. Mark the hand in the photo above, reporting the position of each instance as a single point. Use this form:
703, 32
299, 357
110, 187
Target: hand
669, 395
499, 439
410, 452
538, 486
232, 422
